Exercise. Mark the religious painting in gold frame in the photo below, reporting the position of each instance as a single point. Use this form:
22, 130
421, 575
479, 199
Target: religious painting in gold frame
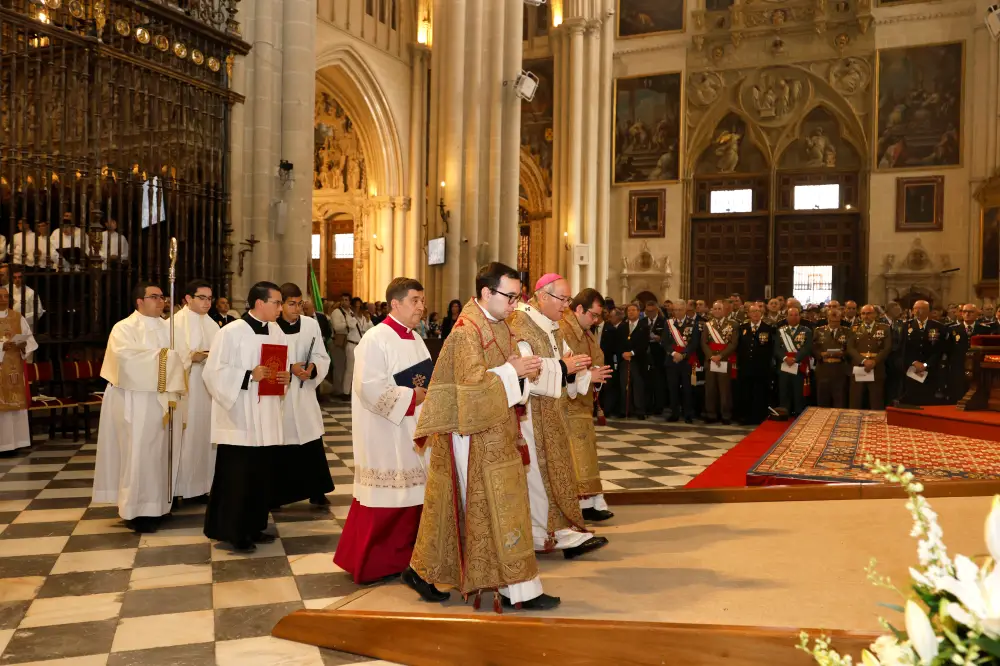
639, 18
647, 213
646, 133
988, 198
920, 203
918, 119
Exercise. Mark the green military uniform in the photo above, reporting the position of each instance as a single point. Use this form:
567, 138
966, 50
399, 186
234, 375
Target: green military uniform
831, 369
869, 342
719, 337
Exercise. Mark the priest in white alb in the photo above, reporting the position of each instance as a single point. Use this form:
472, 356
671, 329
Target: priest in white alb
145, 377
246, 380
392, 369
301, 471
197, 331
16, 342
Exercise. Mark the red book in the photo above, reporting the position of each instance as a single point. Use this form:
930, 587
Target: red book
275, 357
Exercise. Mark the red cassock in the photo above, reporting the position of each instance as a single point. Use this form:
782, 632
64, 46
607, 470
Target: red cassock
377, 541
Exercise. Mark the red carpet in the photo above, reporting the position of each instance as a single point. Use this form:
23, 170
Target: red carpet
730, 471
948, 420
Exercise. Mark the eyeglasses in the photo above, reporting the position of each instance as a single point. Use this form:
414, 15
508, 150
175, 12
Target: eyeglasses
564, 299
154, 297
595, 315
202, 297
511, 298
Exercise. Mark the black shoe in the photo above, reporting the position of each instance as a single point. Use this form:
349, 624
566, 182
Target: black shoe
541, 602
673, 419
725, 422
426, 591
143, 525
597, 515
346, 398
263, 537
244, 546
711, 421
591, 544
689, 421
641, 417
200, 499
319, 500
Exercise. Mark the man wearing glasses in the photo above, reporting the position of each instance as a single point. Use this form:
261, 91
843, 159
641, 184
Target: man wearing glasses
145, 377
959, 338
196, 331
556, 516
584, 311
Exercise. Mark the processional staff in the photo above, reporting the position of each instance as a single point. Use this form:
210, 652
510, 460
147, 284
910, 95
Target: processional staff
172, 276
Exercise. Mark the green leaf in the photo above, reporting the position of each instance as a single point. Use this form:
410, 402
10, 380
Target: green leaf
989, 645
900, 635
895, 607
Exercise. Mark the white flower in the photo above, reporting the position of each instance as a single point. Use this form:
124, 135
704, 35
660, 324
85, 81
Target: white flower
921, 633
978, 594
890, 653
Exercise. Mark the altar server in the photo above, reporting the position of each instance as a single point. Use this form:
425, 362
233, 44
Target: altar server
583, 313
556, 516
145, 377
392, 368
16, 342
197, 330
301, 471
246, 426
476, 501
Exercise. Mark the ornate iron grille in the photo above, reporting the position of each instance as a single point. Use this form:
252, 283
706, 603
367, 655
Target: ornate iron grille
114, 125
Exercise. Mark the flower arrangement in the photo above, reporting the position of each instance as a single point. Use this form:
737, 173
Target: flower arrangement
952, 615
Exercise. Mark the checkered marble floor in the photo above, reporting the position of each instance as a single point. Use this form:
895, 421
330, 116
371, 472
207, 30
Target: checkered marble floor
77, 588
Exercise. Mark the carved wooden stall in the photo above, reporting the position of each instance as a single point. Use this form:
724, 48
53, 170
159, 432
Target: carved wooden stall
114, 131
777, 97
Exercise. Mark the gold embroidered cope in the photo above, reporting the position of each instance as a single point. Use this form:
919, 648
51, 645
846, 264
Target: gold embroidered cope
580, 412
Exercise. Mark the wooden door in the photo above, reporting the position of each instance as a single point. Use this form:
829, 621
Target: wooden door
339, 269
728, 255
819, 240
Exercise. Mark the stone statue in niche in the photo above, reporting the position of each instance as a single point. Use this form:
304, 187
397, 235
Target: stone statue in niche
727, 150
820, 151
704, 87
850, 76
773, 99
353, 174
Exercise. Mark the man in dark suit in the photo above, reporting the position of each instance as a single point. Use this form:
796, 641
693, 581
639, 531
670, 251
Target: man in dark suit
608, 337
922, 348
753, 363
680, 344
657, 385
960, 335
633, 349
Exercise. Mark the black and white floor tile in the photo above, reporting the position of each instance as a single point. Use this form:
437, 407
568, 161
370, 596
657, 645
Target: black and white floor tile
77, 588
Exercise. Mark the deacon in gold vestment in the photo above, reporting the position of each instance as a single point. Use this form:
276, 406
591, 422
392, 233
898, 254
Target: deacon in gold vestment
475, 530
584, 312
556, 518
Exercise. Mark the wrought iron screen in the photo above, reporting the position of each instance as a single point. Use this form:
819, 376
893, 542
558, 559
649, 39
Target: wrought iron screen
114, 136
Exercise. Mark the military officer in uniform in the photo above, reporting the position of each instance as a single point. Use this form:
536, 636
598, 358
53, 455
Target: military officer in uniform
792, 350
922, 349
657, 389
719, 339
869, 347
851, 319
830, 350
753, 367
680, 342
960, 335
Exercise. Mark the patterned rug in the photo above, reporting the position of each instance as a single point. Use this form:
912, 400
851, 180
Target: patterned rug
831, 445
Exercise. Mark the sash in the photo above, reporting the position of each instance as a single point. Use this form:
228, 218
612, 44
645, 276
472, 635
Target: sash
717, 345
790, 352
681, 348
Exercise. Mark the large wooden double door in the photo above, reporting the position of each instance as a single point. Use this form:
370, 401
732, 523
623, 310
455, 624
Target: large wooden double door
736, 254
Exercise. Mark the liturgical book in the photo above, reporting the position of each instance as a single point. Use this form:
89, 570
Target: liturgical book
415, 376
275, 358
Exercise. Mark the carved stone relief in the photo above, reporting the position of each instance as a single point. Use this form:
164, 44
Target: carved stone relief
339, 164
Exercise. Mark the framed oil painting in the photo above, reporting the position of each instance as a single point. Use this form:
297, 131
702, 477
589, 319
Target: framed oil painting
919, 116
989, 260
647, 129
646, 213
637, 18
920, 203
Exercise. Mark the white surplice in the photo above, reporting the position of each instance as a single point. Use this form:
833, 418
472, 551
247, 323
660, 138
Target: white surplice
303, 417
242, 417
14, 432
460, 445
32, 305
197, 455
132, 460
550, 385
388, 470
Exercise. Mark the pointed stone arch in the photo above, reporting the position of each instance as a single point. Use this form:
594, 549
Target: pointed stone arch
532, 181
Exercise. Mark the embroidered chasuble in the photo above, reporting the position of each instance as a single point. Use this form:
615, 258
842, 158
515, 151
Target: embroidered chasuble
13, 393
547, 419
484, 542
580, 412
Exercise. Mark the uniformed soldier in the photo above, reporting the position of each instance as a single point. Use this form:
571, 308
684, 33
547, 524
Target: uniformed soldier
719, 339
753, 367
922, 348
960, 335
830, 350
773, 315
680, 341
739, 308
850, 319
989, 318
869, 347
792, 349
953, 315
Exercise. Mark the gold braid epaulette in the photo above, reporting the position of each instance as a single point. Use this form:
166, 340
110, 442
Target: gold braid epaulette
161, 373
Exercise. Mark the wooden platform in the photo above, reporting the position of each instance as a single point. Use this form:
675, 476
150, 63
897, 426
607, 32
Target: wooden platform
706, 581
948, 420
